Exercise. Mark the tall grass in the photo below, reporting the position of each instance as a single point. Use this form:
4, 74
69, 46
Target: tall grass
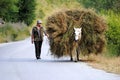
113, 32
13, 32
109, 64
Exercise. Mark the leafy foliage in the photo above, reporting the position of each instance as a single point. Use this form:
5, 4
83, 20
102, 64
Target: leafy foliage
13, 31
26, 11
102, 4
113, 33
9, 10
18, 10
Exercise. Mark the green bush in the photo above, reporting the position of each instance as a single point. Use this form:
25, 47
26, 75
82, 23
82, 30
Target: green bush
99, 5
8, 33
23, 34
26, 11
113, 33
13, 31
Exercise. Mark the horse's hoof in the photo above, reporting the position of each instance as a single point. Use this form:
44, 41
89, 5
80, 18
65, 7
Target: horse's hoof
75, 61
71, 59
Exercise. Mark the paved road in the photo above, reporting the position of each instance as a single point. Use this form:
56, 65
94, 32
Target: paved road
17, 62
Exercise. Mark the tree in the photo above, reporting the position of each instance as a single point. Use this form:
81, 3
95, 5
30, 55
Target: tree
9, 10
116, 6
26, 11
102, 4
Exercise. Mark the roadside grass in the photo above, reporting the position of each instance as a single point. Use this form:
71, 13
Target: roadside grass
103, 62
13, 32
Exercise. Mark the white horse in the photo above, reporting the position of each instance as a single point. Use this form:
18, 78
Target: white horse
74, 53
77, 32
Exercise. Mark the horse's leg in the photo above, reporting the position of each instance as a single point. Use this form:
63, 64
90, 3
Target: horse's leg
75, 55
74, 52
78, 52
70, 51
71, 56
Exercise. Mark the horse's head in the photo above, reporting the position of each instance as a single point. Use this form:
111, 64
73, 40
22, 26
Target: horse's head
77, 32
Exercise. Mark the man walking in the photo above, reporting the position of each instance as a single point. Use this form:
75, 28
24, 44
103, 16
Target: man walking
37, 38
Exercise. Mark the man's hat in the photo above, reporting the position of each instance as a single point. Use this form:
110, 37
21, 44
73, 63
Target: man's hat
39, 21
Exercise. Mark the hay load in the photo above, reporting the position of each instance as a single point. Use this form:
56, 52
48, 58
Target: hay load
60, 28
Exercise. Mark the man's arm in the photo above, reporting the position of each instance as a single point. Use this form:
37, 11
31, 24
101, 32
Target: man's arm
45, 32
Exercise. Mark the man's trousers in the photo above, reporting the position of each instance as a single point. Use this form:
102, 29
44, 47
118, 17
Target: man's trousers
38, 45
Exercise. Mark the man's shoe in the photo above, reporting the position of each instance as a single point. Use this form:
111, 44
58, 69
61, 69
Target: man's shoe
38, 58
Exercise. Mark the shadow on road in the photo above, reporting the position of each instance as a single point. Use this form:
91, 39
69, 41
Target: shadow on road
35, 60
40, 60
